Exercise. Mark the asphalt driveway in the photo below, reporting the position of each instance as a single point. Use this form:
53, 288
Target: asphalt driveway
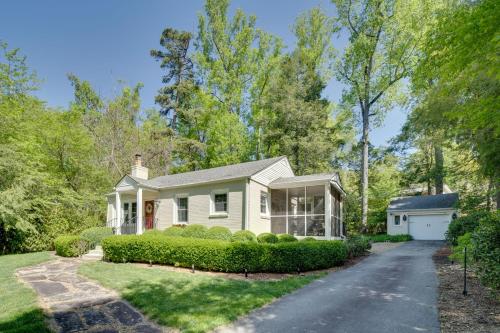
393, 291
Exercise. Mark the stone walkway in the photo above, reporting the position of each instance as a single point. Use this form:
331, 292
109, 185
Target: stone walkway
76, 304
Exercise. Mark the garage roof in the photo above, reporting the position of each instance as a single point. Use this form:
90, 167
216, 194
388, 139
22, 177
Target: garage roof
438, 201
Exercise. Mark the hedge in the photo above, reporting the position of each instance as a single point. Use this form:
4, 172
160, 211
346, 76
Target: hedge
244, 236
216, 255
390, 238
195, 231
174, 231
221, 233
283, 238
96, 235
357, 246
71, 246
463, 225
268, 238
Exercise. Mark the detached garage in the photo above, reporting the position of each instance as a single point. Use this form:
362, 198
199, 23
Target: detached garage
422, 217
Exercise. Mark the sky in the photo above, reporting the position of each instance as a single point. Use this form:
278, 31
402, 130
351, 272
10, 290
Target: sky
108, 41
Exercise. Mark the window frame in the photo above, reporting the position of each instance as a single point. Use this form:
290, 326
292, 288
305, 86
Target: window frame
213, 212
266, 213
176, 208
399, 220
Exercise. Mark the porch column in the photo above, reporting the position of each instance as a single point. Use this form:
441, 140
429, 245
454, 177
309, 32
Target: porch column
139, 211
328, 212
118, 213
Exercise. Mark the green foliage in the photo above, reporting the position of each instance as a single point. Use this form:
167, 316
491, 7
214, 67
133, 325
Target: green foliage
284, 238
96, 234
357, 246
244, 236
389, 238
71, 246
195, 231
308, 239
458, 250
220, 233
225, 256
267, 237
463, 225
174, 231
486, 250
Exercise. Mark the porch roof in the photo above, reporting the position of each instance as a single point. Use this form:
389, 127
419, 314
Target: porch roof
308, 180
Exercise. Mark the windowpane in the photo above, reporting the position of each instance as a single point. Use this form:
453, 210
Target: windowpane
220, 202
278, 224
278, 202
296, 201
316, 199
263, 202
182, 203
182, 215
397, 220
126, 213
316, 225
296, 225
182, 209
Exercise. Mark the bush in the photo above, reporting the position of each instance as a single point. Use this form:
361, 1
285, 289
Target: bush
71, 246
486, 249
195, 231
174, 231
308, 239
221, 233
267, 238
357, 246
244, 236
96, 235
152, 232
458, 250
462, 225
389, 238
284, 238
225, 256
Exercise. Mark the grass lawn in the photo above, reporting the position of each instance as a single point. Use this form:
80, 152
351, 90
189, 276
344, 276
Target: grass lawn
19, 311
189, 302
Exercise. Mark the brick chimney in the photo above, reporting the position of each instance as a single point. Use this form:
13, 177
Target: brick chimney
138, 170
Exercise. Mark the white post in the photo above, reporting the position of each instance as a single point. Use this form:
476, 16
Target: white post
328, 214
118, 210
139, 211
341, 215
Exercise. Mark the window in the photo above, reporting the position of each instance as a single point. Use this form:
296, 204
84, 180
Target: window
263, 203
397, 220
134, 212
126, 213
182, 210
220, 203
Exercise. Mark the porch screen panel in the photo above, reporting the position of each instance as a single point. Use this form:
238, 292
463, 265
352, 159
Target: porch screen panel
278, 211
335, 216
278, 224
315, 210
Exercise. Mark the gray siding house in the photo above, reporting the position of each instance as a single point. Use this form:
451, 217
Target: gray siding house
260, 196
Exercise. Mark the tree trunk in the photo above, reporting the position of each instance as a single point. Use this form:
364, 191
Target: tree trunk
364, 172
439, 168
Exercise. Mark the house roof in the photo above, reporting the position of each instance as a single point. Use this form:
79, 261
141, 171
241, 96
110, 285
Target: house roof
439, 201
228, 172
307, 178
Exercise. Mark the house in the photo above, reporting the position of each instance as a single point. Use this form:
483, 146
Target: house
260, 196
423, 217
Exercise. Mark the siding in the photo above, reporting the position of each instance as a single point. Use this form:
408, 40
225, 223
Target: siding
256, 223
403, 227
277, 170
199, 205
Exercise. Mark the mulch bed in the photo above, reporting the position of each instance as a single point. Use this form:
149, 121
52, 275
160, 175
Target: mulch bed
479, 311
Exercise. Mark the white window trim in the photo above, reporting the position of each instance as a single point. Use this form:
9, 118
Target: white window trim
394, 220
267, 214
213, 213
176, 206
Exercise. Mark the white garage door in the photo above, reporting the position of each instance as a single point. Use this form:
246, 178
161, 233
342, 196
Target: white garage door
428, 227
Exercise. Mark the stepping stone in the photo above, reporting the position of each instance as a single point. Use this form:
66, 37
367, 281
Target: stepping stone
95, 317
68, 321
105, 330
124, 313
34, 277
147, 329
49, 288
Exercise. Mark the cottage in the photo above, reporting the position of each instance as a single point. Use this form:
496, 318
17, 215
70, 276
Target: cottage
260, 196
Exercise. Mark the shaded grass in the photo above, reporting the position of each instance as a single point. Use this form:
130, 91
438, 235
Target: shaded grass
389, 238
189, 302
19, 311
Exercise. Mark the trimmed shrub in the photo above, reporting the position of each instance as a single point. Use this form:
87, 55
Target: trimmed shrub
357, 246
96, 235
195, 231
216, 255
283, 238
174, 231
268, 238
71, 246
308, 239
462, 225
389, 238
152, 232
244, 236
221, 233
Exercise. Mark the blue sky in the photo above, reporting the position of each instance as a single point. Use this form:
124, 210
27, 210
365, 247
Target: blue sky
106, 41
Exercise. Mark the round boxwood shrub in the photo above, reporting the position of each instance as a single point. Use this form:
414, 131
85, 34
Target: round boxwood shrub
309, 239
71, 245
96, 235
152, 232
221, 233
244, 236
267, 237
283, 238
195, 231
174, 231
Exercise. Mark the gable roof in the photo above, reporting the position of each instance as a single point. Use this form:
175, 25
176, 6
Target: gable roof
228, 172
439, 201
306, 178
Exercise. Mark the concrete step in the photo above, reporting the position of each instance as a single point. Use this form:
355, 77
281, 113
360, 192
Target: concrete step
95, 254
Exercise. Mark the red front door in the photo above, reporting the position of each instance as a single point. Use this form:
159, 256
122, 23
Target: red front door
149, 210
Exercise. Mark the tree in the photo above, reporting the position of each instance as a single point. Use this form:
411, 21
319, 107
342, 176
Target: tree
384, 37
